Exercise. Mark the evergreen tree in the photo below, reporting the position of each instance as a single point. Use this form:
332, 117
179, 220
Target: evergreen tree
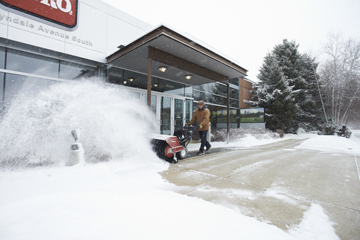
299, 75
274, 94
290, 63
311, 115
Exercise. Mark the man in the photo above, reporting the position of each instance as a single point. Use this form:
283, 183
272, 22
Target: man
201, 116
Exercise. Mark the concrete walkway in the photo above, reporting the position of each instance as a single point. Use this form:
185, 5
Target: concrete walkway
275, 183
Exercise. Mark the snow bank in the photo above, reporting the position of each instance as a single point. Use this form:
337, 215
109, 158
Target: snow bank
333, 143
315, 225
104, 201
248, 140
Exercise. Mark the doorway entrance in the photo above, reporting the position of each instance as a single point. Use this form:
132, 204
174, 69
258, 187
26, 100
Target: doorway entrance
170, 114
171, 111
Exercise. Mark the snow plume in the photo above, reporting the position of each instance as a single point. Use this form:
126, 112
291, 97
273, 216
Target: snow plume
36, 129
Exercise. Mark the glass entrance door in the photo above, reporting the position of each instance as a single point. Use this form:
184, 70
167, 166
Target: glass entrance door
169, 112
165, 116
178, 114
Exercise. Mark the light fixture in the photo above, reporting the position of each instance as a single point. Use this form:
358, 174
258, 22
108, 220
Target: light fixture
163, 69
131, 79
155, 85
124, 81
188, 76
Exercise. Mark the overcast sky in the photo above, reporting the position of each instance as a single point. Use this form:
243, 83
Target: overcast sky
245, 30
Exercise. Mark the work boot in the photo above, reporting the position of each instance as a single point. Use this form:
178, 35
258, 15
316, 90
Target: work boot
207, 149
200, 153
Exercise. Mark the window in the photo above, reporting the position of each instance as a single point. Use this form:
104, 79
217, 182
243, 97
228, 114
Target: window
115, 75
178, 113
135, 95
219, 89
137, 80
2, 57
2, 75
171, 87
234, 93
71, 71
199, 95
132, 79
32, 63
210, 98
154, 84
15, 85
234, 81
234, 103
165, 116
189, 110
153, 102
188, 91
103, 73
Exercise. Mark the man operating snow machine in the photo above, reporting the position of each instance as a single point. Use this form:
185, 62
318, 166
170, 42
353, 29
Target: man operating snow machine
202, 116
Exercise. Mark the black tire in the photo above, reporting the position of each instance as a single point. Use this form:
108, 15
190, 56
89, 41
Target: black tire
182, 154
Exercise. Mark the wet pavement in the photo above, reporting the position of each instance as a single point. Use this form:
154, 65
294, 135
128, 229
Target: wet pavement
275, 183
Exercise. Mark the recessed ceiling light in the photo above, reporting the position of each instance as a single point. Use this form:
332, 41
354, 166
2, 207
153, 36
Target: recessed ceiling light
188, 76
125, 82
163, 69
131, 79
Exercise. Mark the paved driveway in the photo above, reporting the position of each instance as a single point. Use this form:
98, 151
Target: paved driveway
276, 183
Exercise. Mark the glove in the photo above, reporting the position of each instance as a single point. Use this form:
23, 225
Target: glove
199, 127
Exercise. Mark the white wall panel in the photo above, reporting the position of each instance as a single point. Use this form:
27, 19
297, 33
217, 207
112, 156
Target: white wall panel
3, 23
84, 53
34, 27
140, 31
122, 15
99, 5
3, 31
119, 32
143, 25
91, 31
101, 29
35, 39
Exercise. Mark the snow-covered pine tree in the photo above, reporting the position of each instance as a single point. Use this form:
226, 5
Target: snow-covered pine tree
274, 94
311, 115
299, 70
290, 63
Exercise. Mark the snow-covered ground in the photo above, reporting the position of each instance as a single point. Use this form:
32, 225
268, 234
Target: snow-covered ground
334, 143
128, 200
313, 141
248, 141
118, 193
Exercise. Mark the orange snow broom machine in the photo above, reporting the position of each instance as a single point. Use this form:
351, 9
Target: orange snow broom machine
172, 148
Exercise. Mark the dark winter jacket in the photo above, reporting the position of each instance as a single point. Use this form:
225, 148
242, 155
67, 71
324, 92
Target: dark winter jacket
201, 116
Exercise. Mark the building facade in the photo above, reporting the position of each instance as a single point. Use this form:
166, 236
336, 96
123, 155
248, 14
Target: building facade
166, 69
245, 87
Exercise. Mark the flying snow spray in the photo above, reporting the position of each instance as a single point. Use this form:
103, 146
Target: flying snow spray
36, 128
76, 150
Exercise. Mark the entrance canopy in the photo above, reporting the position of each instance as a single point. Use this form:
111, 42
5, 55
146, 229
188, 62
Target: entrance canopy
181, 56
185, 61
